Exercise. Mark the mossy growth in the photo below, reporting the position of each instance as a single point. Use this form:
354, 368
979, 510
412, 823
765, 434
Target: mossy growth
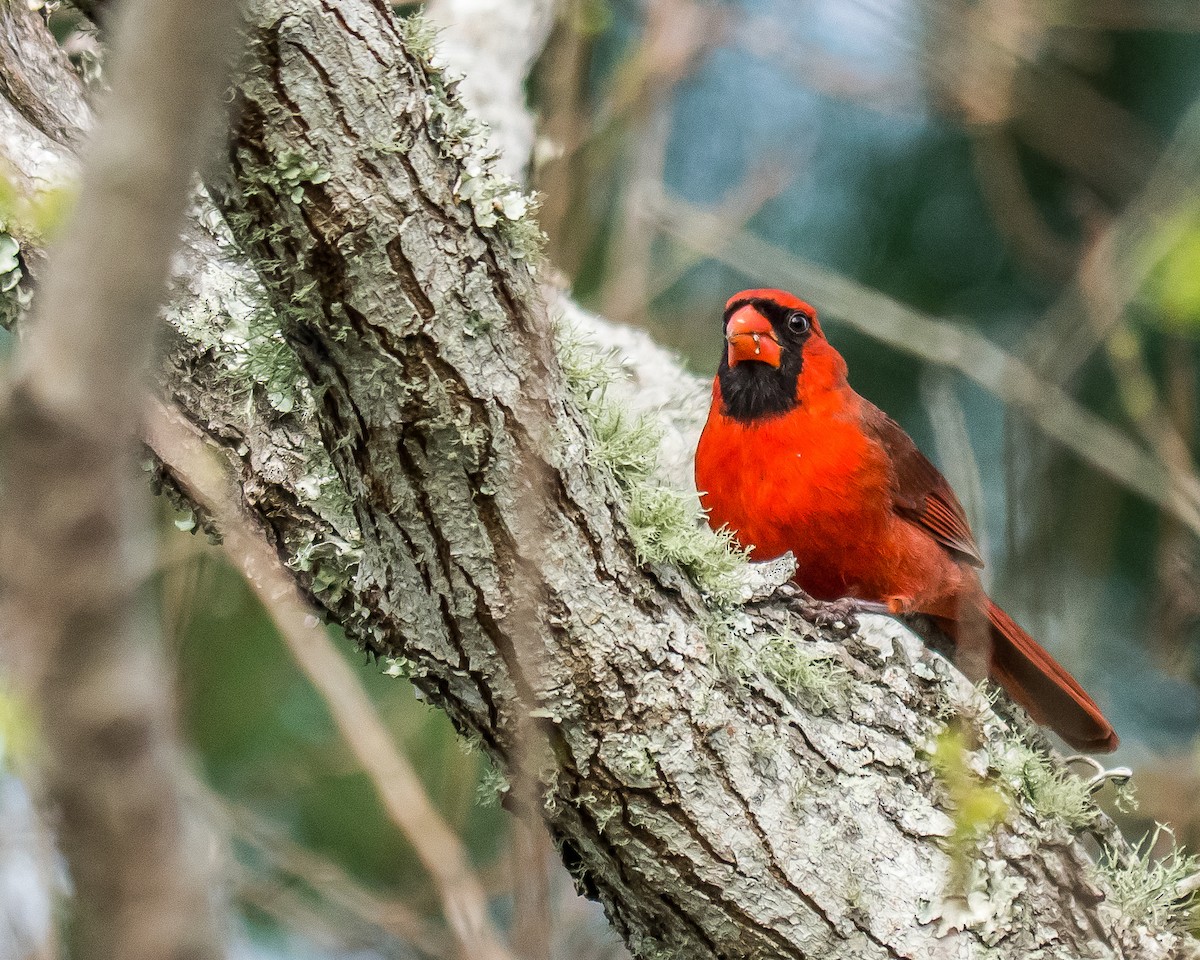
814, 678
1051, 793
1153, 891
666, 525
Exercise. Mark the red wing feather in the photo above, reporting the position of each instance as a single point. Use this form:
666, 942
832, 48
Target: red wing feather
920, 493
1039, 683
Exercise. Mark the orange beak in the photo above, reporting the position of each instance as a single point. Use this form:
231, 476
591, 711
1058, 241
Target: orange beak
750, 336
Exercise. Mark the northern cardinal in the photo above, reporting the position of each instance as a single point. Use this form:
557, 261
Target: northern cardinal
791, 458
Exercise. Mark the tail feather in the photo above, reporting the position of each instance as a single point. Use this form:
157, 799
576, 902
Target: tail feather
1040, 684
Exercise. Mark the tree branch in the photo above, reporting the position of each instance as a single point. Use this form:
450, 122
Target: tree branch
73, 534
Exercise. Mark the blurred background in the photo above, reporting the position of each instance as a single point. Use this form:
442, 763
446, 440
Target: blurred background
1027, 171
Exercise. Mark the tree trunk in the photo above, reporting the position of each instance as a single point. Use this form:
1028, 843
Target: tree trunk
376, 363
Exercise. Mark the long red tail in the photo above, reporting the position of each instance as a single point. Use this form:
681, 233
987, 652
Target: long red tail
1039, 683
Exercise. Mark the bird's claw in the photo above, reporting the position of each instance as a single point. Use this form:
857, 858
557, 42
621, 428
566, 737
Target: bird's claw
839, 616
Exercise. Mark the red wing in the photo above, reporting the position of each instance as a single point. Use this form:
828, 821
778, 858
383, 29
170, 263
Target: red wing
919, 493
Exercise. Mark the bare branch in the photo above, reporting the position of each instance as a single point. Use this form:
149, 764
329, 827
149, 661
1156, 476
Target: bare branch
183, 451
73, 536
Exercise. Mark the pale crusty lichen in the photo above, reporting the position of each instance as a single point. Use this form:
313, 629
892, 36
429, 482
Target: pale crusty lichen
1155, 892
986, 902
14, 298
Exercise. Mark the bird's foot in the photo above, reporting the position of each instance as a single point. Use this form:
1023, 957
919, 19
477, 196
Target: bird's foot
840, 616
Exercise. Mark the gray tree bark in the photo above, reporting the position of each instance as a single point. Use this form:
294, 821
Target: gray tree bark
358, 332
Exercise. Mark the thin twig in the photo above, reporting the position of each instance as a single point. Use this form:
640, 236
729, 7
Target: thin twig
325, 878
438, 848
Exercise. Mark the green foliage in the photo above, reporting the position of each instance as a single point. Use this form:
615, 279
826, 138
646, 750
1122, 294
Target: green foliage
665, 525
1052, 794
1148, 891
37, 216
16, 727
977, 806
1174, 283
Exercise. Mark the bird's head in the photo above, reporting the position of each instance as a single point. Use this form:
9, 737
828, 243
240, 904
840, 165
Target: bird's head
775, 351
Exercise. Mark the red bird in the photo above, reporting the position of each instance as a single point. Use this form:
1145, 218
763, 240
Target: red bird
793, 459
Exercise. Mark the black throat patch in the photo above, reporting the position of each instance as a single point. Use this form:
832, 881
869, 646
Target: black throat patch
755, 391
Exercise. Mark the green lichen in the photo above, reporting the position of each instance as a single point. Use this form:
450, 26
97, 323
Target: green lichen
1125, 796
812, 677
665, 524
493, 785
331, 564
1152, 891
729, 653
816, 679
419, 35
294, 171
496, 201
400, 667
1052, 794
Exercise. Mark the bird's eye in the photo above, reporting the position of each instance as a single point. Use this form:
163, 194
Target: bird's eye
798, 321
